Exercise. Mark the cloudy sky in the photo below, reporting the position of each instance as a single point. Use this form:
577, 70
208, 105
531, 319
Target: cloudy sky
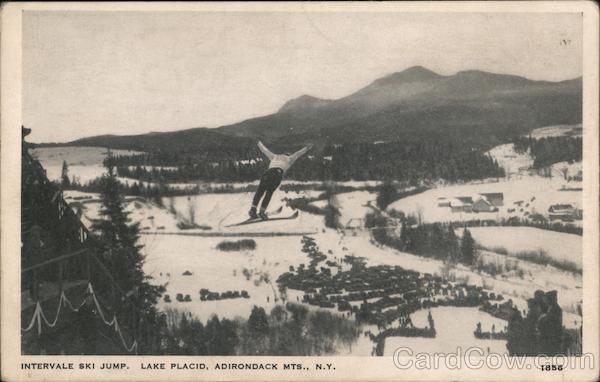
128, 73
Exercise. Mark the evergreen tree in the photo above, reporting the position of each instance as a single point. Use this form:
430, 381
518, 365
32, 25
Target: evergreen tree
404, 236
452, 244
332, 212
387, 194
258, 322
118, 245
467, 247
64, 177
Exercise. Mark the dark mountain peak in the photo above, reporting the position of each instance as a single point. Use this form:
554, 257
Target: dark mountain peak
412, 74
303, 103
415, 99
419, 70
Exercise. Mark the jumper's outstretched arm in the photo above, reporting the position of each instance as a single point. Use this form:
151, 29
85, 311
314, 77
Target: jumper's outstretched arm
265, 150
299, 153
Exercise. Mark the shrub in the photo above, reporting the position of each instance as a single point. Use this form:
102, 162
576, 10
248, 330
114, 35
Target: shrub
187, 225
386, 195
238, 245
542, 258
375, 220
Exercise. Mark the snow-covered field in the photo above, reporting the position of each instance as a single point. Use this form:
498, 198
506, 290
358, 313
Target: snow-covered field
169, 256
151, 217
511, 161
558, 245
451, 332
171, 250
536, 193
352, 206
219, 210
571, 169
535, 276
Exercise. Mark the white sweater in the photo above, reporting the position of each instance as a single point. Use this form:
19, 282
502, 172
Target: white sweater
281, 161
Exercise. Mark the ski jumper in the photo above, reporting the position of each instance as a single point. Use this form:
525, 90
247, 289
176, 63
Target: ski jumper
271, 178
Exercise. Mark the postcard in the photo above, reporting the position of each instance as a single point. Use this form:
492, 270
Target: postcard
299, 191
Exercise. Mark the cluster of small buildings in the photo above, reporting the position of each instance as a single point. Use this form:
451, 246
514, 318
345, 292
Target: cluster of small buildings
565, 212
484, 202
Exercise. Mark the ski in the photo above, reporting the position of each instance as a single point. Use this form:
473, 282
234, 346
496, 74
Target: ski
259, 220
269, 214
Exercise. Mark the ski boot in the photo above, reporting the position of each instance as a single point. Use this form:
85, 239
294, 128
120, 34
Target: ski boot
252, 213
263, 215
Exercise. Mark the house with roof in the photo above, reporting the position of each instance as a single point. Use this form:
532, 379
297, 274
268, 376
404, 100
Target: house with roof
461, 204
560, 211
482, 204
495, 198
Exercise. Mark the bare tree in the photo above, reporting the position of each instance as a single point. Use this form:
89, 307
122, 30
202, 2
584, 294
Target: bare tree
171, 205
420, 214
192, 211
565, 172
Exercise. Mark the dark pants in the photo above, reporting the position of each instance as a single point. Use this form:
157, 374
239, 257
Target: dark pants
269, 181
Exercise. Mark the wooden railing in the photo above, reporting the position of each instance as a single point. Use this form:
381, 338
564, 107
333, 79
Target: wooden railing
82, 263
93, 272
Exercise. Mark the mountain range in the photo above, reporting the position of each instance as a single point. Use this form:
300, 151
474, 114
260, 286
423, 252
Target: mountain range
474, 105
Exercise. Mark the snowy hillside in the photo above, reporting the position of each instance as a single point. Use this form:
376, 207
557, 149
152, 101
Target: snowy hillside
523, 196
181, 240
558, 245
511, 161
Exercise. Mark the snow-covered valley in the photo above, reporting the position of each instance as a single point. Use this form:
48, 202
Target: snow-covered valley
187, 259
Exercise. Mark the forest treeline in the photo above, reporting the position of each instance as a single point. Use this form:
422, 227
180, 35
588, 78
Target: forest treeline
436, 240
287, 330
550, 150
413, 160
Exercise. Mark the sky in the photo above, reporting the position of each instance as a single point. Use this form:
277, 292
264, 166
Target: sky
93, 73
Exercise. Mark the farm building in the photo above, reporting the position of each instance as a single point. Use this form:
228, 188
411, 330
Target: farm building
495, 198
461, 204
465, 199
558, 211
482, 204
